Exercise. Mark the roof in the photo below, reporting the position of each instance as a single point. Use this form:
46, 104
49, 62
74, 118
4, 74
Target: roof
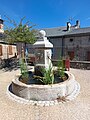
62, 31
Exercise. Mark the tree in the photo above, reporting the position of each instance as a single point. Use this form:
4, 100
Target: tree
21, 32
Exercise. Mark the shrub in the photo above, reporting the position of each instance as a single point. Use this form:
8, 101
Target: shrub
61, 68
23, 68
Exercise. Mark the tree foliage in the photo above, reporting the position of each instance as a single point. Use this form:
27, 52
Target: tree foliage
22, 32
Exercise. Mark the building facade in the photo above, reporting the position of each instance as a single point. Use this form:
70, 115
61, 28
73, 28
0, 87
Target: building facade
71, 41
6, 50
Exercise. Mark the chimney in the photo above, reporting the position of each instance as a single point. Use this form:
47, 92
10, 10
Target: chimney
1, 25
68, 26
77, 24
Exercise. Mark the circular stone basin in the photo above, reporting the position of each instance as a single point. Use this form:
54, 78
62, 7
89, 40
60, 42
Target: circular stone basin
44, 92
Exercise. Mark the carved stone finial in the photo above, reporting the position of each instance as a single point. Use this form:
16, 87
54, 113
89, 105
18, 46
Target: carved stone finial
43, 33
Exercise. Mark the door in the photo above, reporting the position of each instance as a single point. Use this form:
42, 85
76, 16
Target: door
88, 55
71, 54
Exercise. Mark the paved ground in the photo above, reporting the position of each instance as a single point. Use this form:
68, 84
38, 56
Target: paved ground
78, 109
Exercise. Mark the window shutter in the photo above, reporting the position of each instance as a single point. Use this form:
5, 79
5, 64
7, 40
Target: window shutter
0, 50
10, 50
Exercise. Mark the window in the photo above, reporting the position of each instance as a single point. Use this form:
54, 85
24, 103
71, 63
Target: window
71, 40
0, 50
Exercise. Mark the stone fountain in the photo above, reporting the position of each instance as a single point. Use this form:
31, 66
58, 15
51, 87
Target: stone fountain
43, 94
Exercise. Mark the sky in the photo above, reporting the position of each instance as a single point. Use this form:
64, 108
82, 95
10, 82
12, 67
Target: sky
47, 13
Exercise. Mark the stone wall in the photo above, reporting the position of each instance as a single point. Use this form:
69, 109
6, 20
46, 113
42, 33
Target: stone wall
80, 64
79, 45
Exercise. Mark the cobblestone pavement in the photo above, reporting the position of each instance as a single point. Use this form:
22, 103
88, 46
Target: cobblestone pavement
78, 109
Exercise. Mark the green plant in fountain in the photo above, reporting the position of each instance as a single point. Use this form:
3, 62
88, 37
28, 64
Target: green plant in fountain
48, 75
61, 68
24, 70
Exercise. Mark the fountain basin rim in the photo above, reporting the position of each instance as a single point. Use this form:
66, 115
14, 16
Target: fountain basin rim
18, 82
44, 92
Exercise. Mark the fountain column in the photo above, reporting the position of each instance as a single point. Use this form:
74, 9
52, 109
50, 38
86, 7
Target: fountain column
43, 50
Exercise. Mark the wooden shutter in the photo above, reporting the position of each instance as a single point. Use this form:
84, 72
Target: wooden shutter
0, 26
0, 50
10, 49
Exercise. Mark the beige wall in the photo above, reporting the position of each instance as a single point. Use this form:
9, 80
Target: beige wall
5, 51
